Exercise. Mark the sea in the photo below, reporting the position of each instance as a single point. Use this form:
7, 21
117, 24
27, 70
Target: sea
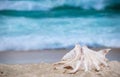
50, 24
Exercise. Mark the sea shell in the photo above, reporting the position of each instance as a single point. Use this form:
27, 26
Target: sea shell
82, 58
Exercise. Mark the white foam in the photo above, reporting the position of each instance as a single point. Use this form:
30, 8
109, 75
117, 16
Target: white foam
38, 42
33, 34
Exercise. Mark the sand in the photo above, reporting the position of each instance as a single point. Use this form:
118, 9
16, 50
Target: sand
46, 70
39, 64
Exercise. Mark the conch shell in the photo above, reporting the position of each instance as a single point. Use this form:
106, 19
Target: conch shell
82, 58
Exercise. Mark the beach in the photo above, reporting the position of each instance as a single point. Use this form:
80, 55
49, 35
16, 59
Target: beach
34, 34
39, 63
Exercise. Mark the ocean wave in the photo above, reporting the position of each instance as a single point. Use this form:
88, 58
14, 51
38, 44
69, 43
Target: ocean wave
60, 12
21, 33
46, 5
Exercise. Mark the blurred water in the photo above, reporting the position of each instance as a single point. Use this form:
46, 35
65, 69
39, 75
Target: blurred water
50, 4
26, 33
42, 24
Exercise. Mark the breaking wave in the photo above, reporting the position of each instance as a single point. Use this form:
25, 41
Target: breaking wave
46, 5
34, 34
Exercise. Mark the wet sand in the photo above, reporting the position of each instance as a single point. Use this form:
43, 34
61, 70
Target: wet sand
46, 56
39, 64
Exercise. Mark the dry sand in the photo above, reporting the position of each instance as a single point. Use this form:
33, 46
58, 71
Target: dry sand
46, 70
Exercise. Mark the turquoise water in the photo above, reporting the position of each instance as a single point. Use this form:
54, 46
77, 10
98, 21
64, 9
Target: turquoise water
30, 28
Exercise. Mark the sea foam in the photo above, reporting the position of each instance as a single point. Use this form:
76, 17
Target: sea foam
20, 33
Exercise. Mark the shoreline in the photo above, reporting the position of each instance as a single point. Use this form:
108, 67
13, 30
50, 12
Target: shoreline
45, 56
